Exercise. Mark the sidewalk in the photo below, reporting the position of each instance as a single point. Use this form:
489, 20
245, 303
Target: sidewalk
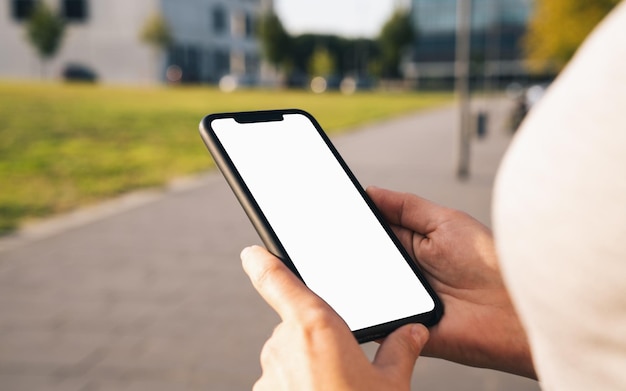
149, 295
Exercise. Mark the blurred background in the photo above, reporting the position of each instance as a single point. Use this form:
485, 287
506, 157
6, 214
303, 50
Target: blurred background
119, 243
262, 43
98, 75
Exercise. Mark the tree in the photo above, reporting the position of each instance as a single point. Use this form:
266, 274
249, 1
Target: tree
275, 41
396, 35
45, 32
558, 27
321, 63
349, 56
156, 33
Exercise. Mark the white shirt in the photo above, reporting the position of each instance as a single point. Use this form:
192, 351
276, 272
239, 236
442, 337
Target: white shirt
560, 219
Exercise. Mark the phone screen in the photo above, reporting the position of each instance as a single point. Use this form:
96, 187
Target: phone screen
321, 219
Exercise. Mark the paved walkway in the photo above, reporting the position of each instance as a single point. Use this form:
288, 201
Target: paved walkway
147, 293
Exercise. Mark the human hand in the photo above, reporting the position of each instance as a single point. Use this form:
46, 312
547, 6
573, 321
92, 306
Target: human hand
457, 254
312, 348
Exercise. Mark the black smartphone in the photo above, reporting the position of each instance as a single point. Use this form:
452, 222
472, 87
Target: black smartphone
311, 212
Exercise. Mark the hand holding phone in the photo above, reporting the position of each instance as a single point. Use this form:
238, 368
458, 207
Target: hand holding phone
311, 212
312, 348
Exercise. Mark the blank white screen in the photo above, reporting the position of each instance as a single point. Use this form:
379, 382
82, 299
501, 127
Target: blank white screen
329, 232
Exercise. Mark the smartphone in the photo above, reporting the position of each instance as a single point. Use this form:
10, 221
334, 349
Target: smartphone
311, 212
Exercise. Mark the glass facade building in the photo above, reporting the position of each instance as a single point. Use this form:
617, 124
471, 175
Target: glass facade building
497, 29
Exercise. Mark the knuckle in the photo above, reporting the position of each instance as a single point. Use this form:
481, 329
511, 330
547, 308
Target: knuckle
318, 321
318, 316
266, 274
270, 349
267, 353
259, 385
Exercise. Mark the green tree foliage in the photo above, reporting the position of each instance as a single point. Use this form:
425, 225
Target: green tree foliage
396, 35
156, 32
349, 56
45, 32
322, 63
297, 54
558, 27
275, 41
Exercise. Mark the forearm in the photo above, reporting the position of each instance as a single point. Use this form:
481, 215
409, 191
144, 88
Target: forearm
506, 348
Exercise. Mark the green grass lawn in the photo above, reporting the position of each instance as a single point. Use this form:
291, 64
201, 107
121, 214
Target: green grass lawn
64, 146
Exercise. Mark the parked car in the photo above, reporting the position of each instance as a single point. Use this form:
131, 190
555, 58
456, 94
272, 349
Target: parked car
79, 73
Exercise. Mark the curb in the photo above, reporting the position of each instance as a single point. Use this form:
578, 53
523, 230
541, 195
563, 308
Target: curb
48, 227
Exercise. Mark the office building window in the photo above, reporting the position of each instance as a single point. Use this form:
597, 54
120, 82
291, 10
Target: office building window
74, 10
516, 12
22, 9
252, 63
219, 19
434, 16
250, 26
222, 62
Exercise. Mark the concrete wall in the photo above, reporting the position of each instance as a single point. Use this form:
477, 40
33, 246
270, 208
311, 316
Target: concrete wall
108, 41
193, 30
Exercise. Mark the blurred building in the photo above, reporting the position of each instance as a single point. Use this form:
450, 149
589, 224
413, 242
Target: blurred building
497, 29
212, 38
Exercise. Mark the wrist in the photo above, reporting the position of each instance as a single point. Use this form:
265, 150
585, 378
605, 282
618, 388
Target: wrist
507, 348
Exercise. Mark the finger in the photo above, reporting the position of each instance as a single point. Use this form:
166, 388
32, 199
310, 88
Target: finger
399, 351
278, 286
408, 238
407, 210
263, 384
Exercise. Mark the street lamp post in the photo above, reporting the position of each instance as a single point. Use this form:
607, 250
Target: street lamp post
462, 73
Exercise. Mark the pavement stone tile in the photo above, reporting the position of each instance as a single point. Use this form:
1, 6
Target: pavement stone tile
30, 382
58, 351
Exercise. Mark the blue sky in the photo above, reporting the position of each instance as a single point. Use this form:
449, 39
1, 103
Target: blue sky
349, 18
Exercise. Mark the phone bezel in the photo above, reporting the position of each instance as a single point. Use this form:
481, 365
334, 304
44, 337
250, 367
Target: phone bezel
267, 234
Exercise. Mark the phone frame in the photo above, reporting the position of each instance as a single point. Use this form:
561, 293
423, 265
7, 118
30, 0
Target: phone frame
269, 237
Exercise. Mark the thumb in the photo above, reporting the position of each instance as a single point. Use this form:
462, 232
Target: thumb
400, 350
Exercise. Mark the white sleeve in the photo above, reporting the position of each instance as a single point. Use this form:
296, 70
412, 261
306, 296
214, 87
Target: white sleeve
560, 219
